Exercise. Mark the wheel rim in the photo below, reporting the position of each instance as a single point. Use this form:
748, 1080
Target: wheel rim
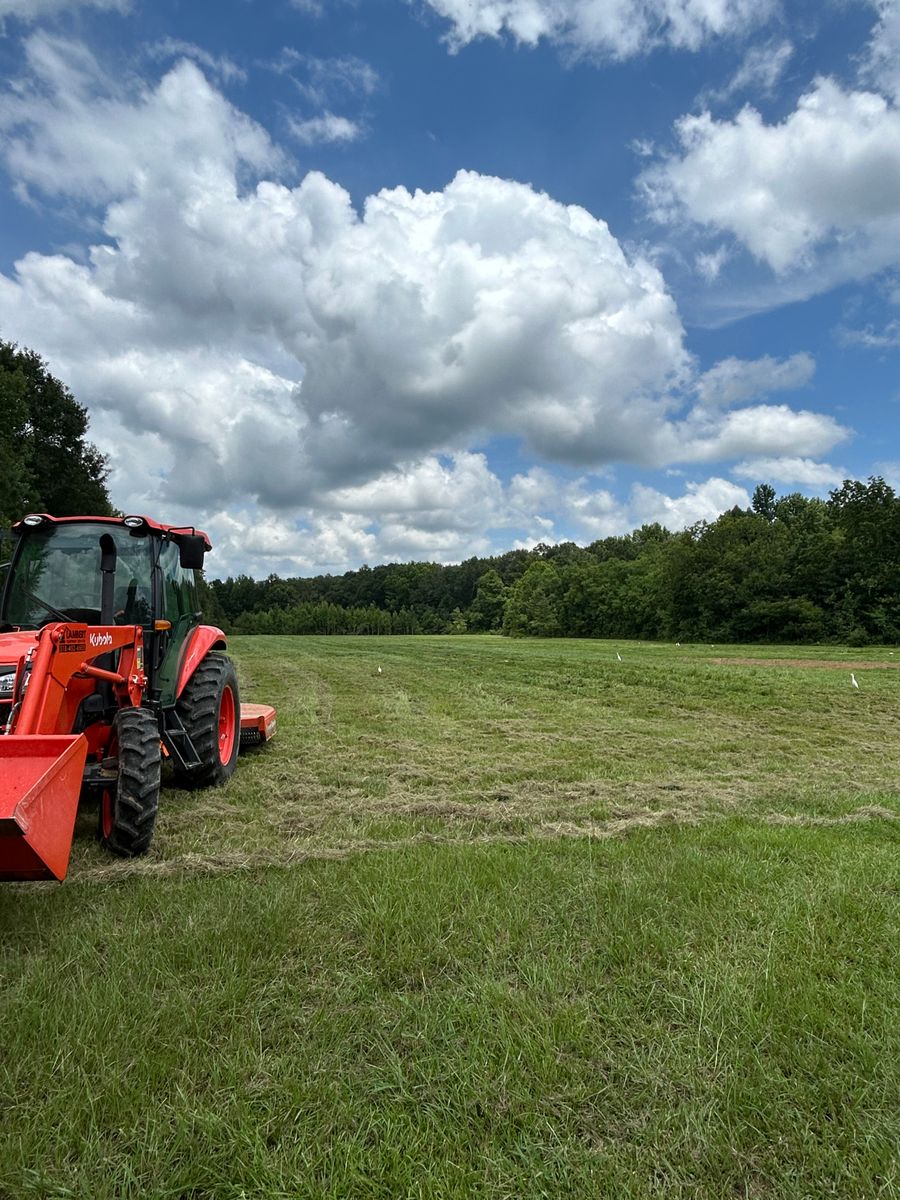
227, 726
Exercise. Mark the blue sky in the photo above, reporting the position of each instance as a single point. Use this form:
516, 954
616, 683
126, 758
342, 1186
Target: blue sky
353, 281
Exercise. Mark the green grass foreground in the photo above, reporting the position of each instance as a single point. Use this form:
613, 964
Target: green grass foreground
506, 919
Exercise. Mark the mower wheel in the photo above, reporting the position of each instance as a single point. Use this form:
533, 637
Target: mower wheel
210, 710
128, 810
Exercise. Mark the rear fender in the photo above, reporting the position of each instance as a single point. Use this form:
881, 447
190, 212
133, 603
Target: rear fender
202, 639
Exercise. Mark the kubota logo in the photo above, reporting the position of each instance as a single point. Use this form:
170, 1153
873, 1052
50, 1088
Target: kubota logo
101, 639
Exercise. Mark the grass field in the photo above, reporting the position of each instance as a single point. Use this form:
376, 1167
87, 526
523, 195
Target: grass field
502, 919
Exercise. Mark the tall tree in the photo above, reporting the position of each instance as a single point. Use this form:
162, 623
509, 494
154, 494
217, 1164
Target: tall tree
763, 502
532, 609
16, 482
868, 516
56, 469
486, 612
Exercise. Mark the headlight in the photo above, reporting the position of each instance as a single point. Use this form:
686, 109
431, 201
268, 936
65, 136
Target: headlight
7, 679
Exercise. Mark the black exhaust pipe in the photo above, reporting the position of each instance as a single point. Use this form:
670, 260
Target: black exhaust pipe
107, 580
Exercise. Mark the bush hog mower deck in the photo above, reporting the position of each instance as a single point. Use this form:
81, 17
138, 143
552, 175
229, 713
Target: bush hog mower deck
105, 669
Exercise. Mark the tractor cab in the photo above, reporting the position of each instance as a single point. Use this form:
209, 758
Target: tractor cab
106, 571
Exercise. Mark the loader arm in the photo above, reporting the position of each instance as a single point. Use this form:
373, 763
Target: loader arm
64, 655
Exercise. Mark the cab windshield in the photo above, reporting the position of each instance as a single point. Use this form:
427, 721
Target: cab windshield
55, 576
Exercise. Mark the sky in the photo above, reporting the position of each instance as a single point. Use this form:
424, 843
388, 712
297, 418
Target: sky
363, 281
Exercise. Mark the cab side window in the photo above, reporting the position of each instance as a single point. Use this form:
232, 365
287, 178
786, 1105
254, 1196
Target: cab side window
132, 595
179, 585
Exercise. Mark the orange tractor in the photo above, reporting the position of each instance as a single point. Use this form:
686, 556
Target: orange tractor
106, 670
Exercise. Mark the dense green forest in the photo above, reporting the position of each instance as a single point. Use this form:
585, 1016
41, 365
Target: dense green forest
788, 569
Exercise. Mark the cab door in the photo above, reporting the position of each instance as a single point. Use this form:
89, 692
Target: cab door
179, 605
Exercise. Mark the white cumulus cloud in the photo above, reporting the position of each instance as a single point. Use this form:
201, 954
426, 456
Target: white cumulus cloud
486, 307
700, 502
788, 470
599, 514
827, 177
68, 129
758, 430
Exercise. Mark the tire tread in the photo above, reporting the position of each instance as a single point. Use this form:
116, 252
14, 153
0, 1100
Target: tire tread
198, 708
136, 801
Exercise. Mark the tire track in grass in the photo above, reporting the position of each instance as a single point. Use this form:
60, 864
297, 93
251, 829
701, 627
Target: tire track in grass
615, 827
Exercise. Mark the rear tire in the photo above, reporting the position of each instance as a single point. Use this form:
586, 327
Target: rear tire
128, 810
210, 711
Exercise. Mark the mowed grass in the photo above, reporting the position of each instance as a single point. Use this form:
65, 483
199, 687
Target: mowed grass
505, 919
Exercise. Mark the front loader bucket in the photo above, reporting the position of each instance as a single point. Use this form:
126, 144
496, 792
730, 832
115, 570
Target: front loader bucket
40, 782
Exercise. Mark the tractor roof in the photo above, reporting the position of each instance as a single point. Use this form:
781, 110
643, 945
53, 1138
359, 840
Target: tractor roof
154, 526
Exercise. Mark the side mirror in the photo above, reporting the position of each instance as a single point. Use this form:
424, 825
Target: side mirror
191, 549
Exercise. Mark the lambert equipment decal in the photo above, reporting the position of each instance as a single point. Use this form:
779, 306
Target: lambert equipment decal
73, 639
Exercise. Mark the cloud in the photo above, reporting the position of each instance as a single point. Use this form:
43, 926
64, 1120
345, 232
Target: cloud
617, 30
467, 511
825, 179
759, 430
787, 470
326, 128
246, 347
428, 319
37, 10
246, 542
68, 129
890, 473
599, 514
710, 263
219, 65
882, 65
760, 71
321, 79
452, 493
885, 338
322, 82
701, 502
736, 381
440, 508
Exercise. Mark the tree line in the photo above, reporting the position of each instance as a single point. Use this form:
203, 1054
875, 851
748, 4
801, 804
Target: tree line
786, 569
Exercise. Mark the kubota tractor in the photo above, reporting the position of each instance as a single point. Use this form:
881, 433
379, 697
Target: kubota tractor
106, 669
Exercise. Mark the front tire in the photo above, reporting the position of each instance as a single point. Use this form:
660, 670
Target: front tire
128, 810
210, 708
